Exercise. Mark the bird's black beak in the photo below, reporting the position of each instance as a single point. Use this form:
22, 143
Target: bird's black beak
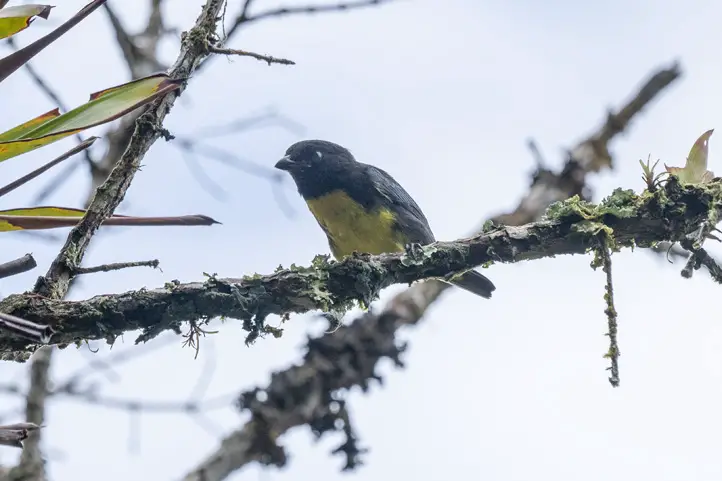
285, 163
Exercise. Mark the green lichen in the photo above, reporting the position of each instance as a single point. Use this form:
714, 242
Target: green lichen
621, 204
712, 217
321, 261
489, 226
318, 292
252, 277
574, 207
416, 254
591, 227
276, 332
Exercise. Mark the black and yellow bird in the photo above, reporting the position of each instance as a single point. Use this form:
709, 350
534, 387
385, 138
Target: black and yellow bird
360, 207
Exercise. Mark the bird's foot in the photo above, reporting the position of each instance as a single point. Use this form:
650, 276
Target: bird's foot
414, 250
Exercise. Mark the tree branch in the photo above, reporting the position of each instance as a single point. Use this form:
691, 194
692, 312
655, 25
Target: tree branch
18, 266
349, 357
572, 227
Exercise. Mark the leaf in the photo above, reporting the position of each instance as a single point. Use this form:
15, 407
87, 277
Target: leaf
22, 129
50, 217
103, 107
695, 169
17, 59
16, 19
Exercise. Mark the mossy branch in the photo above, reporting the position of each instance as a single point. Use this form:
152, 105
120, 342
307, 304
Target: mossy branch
570, 227
603, 258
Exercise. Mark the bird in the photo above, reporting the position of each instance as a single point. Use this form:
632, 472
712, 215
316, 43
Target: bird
360, 207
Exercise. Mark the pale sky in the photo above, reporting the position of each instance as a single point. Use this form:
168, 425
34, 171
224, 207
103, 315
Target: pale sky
443, 95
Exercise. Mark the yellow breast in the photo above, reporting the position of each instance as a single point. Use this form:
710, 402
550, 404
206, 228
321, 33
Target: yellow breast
349, 227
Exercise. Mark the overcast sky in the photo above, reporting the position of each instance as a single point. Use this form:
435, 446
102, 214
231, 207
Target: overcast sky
443, 95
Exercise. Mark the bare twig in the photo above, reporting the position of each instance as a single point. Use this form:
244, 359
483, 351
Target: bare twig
244, 53
604, 258
693, 243
244, 17
713, 267
14, 434
37, 333
139, 51
226, 158
244, 124
536, 153
18, 266
116, 266
40, 170
55, 182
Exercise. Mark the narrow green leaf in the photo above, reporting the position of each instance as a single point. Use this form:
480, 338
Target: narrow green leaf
18, 18
103, 107
18, 132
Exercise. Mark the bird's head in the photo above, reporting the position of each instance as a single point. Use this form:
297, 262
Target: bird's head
317, 164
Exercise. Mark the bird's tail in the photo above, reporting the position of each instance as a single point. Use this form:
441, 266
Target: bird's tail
475, 283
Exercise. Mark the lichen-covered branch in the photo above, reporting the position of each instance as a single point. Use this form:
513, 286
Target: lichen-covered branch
604, 259
571, 227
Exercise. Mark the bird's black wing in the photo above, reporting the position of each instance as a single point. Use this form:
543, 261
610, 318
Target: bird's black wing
411, 221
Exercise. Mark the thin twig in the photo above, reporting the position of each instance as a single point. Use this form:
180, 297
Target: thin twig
244, 53
536, 153
56, 182
605, 257
713, 267
244, 10
116, 266
225, 157
693, 243
18, 266
42, 169
243, 125
15, 434
38, 333
244, 18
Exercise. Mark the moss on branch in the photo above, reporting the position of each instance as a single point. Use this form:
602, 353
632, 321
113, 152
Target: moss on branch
570, 227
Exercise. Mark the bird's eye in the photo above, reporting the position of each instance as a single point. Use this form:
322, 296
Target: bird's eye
320, 155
